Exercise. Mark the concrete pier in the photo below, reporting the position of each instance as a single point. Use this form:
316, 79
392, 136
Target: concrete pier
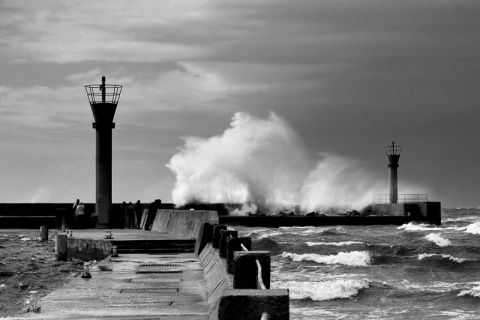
158, 274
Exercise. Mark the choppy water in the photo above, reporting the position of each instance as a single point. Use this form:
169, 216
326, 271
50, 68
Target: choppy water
414, 271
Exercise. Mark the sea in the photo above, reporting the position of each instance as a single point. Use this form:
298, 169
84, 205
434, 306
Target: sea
412, 271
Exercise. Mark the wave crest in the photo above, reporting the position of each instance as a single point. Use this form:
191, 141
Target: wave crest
473, 228
438, 240
474, 292
353, 258
338, 244
324, 290
444, 256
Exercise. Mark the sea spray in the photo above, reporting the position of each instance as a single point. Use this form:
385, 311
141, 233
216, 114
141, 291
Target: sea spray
438, 240
353, 258
244, 210
263, 161
322, 290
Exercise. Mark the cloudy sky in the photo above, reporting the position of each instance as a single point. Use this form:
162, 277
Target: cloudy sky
345, 76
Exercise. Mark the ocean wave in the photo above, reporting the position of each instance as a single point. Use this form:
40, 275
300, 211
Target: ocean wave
268, 235
474, 292
445, 256
416, 227
438, 240
338, 244
353, 258
473, 228
323, 290
412, 226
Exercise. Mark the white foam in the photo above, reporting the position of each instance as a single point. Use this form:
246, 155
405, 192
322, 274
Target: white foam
268, 235
353, 258
323, 290
25, 239
338, 244
474, 292
445, 256
473, 228
415, 227
438, 240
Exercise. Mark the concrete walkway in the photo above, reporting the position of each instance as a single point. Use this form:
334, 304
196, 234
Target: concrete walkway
132, 286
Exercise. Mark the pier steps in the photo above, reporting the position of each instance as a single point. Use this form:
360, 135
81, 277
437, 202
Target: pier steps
155, 246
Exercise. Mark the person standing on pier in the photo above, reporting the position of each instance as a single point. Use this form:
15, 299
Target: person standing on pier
130, 216
80, 216
138, 213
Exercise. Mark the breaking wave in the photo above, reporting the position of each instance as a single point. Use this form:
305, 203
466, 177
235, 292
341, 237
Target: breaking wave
324, 290
438, 240
338, 244
444, 256
416, 227
474, 292
353, 258
263, 161
473, 228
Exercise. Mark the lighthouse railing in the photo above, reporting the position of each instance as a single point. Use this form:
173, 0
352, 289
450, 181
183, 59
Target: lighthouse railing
402, 198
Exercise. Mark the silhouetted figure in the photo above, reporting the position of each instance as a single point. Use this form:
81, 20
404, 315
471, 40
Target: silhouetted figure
71, 216
131, 216
138, 213
80, 215
152, 211
125, 216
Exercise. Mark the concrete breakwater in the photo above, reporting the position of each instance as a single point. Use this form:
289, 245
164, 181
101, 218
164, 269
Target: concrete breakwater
178, 270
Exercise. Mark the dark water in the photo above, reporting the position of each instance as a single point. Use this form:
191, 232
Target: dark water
414, 271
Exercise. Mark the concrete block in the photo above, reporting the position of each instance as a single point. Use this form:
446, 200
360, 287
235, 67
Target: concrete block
216, 234
245, 269
43, 233
224, 235
61, 247
234, 245
250, 304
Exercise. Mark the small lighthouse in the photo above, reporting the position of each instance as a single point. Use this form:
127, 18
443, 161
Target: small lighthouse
103, 100
393, 155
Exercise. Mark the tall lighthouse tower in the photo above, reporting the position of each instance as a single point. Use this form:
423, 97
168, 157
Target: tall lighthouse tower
103, 101
393, 155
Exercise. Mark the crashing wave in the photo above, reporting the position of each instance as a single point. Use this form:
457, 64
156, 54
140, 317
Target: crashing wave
338, 244
323, 290
353, 258
438, 240
416, 227
474, 292
473, 228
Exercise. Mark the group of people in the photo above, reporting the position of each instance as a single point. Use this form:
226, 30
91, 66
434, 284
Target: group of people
133, 214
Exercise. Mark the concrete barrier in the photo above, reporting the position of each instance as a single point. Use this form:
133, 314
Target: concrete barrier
224, 299
187, 223
216, 278
88, 249
251, 304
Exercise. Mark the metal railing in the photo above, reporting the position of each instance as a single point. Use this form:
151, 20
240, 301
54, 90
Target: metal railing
109, 93
402, 198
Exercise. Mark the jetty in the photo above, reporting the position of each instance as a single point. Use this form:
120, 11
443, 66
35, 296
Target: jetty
186, 267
